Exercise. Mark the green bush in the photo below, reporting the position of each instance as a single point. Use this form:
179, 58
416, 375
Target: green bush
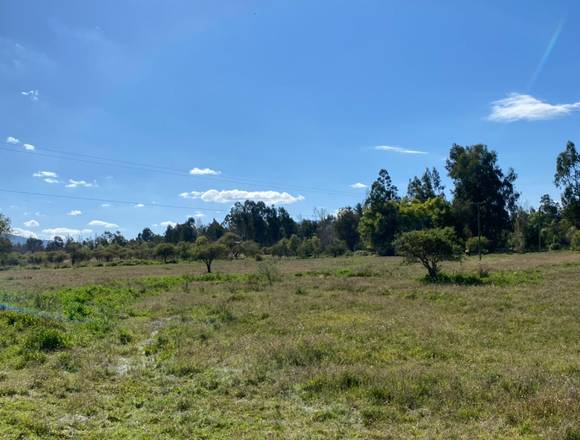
45, 339
471, 245
575, 242
429, 247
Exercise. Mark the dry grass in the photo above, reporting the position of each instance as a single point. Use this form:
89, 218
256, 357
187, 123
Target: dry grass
337, 348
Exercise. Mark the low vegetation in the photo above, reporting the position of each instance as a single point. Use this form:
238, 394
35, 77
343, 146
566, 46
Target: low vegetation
349, 347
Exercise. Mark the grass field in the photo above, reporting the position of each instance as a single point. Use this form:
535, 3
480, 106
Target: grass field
353, 347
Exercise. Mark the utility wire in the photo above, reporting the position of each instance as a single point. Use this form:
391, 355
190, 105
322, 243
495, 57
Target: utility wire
120, 202
97, 160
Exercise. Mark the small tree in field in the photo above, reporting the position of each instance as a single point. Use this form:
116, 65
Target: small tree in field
208, 252
165, 251
429, 247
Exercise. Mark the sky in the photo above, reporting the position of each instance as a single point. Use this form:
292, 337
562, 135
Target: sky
125, 114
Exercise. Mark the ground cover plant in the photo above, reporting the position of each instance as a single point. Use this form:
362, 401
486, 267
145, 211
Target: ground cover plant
351, 347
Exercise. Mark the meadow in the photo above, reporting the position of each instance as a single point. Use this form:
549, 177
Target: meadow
350, 347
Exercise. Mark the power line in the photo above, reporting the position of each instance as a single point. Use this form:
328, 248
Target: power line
119, 202
98, 160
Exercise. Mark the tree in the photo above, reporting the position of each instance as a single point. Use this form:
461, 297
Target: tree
567, 177
232, 243
346, 226
429, 247
5, 245
214, 230
4, 225
33, 245
165, 251
379, 222
427, 187
208, 252
147, 235
483, 195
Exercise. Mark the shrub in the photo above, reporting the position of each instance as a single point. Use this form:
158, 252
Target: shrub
429, 247
471, 245
45, 339
269, 271
575, 241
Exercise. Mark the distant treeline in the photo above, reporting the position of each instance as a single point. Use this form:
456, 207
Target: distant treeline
484, 201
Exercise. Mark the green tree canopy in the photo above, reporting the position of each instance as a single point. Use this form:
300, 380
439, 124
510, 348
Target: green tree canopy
479, 182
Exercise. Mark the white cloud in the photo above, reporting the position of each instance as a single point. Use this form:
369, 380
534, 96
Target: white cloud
31, 224
65, 232
32, 94
74, 212
236, 195
50, 174
518, 107
47, 176
23, 233
105, 205
358, 185
29, 147
80, 183
139, 205
203, 172
12, 140
198, 215
102, 224
395, 149
167, 223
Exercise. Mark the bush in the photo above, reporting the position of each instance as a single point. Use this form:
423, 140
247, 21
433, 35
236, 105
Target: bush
269, 271
575, 241
472, 243
429, 247
45, 339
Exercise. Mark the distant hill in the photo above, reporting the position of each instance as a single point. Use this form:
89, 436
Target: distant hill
16, 239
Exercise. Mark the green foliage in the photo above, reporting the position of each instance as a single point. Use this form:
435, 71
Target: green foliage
165, 251
429, 247
268, 270
208, 252
575, 242
473, 244
567, 177
481, 185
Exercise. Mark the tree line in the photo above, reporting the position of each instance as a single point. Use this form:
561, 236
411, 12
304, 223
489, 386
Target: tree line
483, 212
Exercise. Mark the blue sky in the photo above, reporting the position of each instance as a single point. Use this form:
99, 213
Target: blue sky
285, 101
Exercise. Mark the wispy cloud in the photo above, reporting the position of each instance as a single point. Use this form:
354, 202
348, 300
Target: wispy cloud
74, 212
33, 95
12, 140
203, 172
19, 232
236, 195
103, 224
65, 232
358, 185
80, 183
105, 205
139, 205
396, 149
519, 107
31, 224
28, 147
47, 176
167, 223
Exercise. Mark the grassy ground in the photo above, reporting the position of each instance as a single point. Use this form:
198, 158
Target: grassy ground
332, 348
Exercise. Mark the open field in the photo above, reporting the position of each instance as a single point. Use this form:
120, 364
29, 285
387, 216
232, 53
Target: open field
355, 347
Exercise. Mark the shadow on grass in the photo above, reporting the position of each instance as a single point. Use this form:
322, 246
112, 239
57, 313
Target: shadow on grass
507, 278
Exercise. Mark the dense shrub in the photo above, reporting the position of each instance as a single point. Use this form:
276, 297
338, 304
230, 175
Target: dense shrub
429, 247
471, 245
